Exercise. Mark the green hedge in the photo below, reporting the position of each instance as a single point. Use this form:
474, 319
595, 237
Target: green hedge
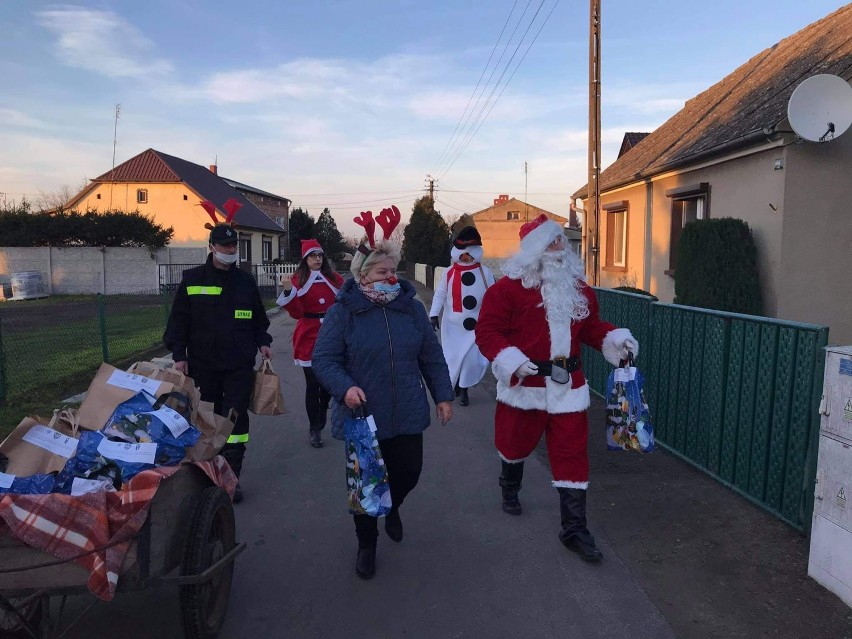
717, 267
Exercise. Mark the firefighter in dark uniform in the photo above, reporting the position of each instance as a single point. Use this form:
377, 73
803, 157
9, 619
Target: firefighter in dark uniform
216, 326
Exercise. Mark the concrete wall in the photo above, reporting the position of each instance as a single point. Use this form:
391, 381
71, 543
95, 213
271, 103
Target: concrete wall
83, 270
815, 285
420, 273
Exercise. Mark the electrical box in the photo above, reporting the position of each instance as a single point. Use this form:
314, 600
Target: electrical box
830, 560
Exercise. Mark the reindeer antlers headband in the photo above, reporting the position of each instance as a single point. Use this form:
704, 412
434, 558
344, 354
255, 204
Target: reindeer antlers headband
231, 207
388, 219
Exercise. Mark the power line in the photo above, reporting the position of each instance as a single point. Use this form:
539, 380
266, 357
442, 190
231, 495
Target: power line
493, 71
478, 82
482, 121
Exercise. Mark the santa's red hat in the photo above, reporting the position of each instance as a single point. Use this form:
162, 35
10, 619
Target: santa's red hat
537, 234
310, 246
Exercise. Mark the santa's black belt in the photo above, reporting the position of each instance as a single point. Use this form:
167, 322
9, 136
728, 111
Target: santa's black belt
545, 367
314, 315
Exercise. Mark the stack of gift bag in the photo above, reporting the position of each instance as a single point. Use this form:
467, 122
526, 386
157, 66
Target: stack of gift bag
129, 421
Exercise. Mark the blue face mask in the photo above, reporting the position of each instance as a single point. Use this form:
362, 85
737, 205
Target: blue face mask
384, 287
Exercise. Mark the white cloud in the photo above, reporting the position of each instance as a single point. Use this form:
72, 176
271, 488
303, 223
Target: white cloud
102, 42
13, 118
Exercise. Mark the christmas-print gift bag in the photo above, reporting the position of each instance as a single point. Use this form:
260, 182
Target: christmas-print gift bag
366, 474
628, 419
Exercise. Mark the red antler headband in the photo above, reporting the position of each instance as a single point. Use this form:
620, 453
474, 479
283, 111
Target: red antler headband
366, 220
388, 219
231, 207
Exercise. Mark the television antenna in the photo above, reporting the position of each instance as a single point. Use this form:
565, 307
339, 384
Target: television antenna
820, 108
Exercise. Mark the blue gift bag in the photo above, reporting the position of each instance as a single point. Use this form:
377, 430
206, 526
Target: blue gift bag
628, 419
366, 474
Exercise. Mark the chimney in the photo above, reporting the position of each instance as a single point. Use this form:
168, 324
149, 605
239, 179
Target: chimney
500, 199
214, 169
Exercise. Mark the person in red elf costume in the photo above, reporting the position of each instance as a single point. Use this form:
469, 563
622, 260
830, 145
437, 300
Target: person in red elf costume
306, 297
531, 327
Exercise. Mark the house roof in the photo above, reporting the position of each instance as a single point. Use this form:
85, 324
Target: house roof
245, 187
521, 203
156, 166
744, 107
630, 140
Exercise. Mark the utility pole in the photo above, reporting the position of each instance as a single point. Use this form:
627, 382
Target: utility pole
114, 139
527, 211
594, 191
431, 182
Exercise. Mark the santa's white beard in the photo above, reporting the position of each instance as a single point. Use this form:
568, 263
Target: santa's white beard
561, 286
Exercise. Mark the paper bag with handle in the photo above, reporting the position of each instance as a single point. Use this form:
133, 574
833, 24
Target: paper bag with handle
111, 387
35, 447
215, 431
266, 398
181, 382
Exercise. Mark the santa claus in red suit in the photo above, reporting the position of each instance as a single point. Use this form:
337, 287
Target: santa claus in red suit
531, 326
306, 297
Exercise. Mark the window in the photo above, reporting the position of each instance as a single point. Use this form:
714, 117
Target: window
267, 248
99, 196
689, 203
616, 235
141, 196
513, 215
245, 247
281, 221
185, 197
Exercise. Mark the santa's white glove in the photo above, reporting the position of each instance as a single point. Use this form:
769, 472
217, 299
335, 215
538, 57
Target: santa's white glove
527, 368
629, 347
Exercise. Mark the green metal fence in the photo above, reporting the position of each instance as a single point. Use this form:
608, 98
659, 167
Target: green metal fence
735, 395
47, 343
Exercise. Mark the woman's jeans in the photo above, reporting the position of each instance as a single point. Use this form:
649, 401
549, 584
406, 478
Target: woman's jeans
403, 457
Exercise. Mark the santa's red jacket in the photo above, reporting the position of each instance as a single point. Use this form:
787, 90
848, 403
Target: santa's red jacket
513, 328
307, 304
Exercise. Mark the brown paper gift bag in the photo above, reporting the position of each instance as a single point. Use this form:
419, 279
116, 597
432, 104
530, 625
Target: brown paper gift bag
111, 387
35, 447
266, 398
182, 383
215, 431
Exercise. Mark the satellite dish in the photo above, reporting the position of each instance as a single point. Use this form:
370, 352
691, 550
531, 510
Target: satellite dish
820, 108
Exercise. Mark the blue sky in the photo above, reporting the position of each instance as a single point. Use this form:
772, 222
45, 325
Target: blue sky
351, 104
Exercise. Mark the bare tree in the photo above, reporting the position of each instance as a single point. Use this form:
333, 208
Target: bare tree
398, 234
58, 198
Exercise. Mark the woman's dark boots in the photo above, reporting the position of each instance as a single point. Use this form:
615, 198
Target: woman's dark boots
367, 531
393, 525
575, 536
316, 437
464, 400
510, 483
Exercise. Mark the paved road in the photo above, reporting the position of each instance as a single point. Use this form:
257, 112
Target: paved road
684, 556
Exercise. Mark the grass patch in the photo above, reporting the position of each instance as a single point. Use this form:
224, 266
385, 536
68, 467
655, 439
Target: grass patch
53, 347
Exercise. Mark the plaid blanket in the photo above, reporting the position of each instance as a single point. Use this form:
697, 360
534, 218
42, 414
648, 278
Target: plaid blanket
101, 524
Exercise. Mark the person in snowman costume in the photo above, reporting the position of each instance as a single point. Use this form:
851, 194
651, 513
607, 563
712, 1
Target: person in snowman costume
306, 297
457, 300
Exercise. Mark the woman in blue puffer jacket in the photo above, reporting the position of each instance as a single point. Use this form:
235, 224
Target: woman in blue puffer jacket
376, 345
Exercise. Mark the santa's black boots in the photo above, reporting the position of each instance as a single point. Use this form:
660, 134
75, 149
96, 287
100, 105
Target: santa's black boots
510, 483
574, 535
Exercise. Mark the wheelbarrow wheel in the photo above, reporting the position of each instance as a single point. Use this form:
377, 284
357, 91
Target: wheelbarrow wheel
32, 613
212, 534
